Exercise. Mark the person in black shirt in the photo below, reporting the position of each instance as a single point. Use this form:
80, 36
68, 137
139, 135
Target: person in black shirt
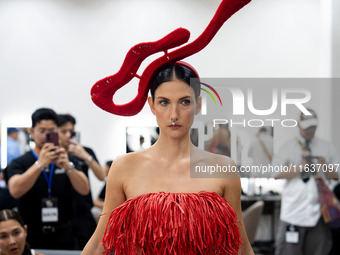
84, 223
43, 180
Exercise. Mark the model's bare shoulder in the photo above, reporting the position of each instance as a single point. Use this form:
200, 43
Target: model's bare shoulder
213, 165
129, 162
209, 157
229, 164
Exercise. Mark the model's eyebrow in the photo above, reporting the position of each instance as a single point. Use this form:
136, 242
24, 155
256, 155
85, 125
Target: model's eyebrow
182, 98
162, 98
186, 97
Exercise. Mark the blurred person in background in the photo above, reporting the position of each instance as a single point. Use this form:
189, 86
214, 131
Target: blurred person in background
84, 223
44, 179
13, 149
99, 201
261, 150
302, 230
6, 200
220, 139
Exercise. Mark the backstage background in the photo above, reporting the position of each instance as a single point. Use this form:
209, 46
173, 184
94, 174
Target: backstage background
53, 51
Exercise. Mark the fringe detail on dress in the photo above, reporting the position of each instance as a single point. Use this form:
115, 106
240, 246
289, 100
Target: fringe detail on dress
173, 223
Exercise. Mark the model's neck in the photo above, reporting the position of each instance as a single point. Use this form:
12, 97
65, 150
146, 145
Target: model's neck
174, 148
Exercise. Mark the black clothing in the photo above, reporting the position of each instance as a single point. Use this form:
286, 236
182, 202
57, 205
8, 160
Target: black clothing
102, 193
56, 235
6, 200
84, 223
336, 231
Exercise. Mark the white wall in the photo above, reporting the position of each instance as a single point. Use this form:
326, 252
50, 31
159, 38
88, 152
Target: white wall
336, 72
53, 51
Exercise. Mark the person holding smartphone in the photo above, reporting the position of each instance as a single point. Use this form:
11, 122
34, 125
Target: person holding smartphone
302, 229
84, 223
43, 180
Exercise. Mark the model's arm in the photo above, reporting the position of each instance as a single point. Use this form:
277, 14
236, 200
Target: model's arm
232, 194
77, 150
20, 184
113, 198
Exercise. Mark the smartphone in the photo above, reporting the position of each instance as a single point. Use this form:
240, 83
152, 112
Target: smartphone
52, 137
75, 136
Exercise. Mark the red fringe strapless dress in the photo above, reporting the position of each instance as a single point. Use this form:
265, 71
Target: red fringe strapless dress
173, 223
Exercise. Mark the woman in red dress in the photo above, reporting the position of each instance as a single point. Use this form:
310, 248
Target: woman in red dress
152, 205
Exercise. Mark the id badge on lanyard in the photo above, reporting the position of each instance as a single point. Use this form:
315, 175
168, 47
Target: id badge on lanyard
292, 234
49, 205
49, 209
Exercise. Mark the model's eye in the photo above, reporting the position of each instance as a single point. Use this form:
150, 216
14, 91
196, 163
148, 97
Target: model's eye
185, 102
3, 237
163, 102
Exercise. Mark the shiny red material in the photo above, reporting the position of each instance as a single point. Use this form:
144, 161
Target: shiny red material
103, 91
173, 223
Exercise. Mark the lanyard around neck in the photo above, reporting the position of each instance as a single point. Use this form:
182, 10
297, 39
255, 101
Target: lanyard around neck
49, 178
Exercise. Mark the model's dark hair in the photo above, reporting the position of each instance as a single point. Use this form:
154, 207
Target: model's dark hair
173, 72
8, 214
43, 114
65, 118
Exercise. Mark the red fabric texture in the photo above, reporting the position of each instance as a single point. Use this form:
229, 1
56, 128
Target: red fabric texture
173, 223
103, 91
330, 205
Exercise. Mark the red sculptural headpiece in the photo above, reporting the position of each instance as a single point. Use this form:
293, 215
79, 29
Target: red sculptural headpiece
102, 91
